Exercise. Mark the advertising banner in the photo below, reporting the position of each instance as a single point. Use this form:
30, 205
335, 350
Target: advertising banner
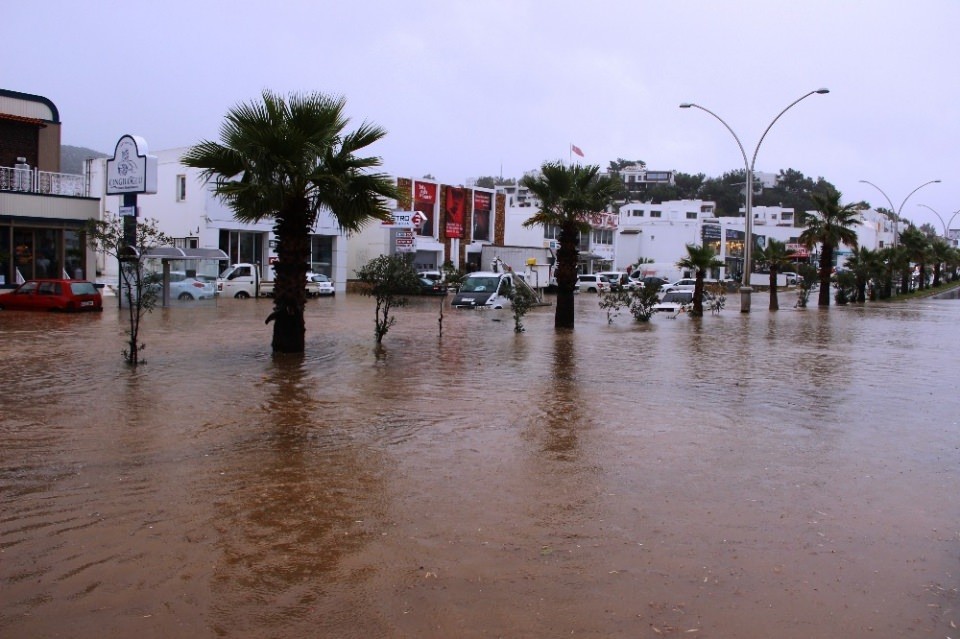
424, 200
455, 210
482, 204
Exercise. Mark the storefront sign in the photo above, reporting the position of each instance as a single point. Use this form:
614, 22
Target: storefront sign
131, 170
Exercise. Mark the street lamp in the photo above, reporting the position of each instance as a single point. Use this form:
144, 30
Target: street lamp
946, 225
745, 289
896, 213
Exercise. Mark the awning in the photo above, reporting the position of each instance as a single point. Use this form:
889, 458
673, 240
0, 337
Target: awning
175, 253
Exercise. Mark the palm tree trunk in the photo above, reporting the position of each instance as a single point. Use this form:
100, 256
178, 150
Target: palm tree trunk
826, 265
567, 257
698, 296
292, 229
774, 302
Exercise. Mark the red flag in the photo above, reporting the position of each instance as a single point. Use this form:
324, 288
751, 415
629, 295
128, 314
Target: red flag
576, 149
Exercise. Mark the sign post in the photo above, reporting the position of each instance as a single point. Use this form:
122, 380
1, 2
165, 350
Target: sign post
130, 172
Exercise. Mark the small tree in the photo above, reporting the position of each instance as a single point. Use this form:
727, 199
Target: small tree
808, 277
388, 279
139, 288
643, 300
522, 299
613, 300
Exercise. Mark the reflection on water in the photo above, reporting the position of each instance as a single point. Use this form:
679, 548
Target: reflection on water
788, 474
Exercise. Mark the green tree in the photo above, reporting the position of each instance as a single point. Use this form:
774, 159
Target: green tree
917, 245
866, 266
776, 258
568, 196
699, 259
289, 159
388, 279
522, 299
940, 253
643, 299
139, 288
830, 225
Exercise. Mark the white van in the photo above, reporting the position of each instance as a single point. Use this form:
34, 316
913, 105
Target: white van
485, 289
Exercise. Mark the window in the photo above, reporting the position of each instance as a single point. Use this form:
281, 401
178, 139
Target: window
691, 215
655, 213
551, 232
181, 188
636, 213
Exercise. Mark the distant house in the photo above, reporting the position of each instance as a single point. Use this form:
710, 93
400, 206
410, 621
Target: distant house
42, 211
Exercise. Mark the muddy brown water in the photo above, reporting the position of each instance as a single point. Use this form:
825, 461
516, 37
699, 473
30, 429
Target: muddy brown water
788, 475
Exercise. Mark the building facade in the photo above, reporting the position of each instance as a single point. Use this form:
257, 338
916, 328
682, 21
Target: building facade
42, 212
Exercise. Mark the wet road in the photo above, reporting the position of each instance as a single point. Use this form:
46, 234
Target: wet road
788, 475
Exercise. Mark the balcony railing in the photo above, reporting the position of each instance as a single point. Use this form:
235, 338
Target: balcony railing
32, 180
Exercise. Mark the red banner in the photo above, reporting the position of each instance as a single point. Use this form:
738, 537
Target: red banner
455, 209
481, 201
425, 192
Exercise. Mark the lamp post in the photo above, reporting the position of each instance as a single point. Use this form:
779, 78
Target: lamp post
745, 289
946, 225
896, 212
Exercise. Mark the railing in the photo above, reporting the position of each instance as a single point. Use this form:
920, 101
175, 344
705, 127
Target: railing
33, 180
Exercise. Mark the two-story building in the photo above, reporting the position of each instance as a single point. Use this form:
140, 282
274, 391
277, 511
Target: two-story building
42, 211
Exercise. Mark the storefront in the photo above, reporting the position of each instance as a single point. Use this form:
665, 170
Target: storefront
35, 248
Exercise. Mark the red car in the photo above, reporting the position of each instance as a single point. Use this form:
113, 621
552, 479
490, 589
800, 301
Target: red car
53, 295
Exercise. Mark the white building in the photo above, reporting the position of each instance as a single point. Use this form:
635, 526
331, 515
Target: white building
187, 210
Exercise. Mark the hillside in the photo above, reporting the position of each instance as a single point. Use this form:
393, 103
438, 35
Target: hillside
72, 157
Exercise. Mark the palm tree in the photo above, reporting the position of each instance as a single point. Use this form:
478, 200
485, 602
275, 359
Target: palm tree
288, 159
865, 265
699, 259
917, 245
940, 252
829, 225
568, 197
776, 257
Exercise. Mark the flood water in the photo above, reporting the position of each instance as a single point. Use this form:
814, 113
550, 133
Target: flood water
774, 475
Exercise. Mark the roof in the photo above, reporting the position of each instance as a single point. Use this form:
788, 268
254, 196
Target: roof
174, 253
22, 119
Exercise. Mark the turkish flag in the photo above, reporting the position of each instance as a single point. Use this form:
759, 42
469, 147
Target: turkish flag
576, 149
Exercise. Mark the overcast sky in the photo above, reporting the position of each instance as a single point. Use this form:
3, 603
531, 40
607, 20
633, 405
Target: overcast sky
475, 88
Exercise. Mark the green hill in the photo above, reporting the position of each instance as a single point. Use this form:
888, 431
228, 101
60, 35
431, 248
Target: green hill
72, 157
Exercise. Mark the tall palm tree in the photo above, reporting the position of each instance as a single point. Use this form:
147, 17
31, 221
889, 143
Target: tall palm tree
568, 197
829, 225
289, 159
776, 257
699, 259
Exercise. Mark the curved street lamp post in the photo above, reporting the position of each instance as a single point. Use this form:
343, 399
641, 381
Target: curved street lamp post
895, 212
748, 166
946, 225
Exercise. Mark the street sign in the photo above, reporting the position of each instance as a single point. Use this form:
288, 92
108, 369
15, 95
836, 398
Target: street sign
404, 241
401, 220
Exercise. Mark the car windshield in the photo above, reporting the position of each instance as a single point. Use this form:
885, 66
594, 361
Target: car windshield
677, 297
479, 284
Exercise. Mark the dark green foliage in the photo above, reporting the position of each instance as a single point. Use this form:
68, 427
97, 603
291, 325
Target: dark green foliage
287, 159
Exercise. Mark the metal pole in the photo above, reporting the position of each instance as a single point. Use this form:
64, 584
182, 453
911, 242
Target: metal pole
896, 212
946, 225
745, 289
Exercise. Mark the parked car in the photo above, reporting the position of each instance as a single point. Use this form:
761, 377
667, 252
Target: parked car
436, 276
323, 285
186, 288
53, 295
686, 284
592, 283
619, 279
674, 302
432, 287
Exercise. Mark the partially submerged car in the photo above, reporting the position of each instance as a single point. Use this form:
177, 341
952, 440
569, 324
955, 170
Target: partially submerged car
53, 295
485, 289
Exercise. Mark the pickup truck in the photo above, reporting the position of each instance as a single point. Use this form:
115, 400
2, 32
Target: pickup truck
243, 280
